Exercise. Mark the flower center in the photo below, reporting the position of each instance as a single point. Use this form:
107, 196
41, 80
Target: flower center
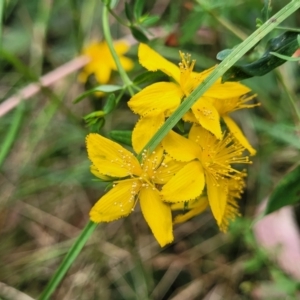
186, 67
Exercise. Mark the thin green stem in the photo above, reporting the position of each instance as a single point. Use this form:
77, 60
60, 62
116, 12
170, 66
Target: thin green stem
229, 61
68, 260
288, 28
109, 41
11, 134
227, 24
236, 54
117, 17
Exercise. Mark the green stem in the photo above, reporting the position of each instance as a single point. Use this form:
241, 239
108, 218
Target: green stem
117, 17
236, 54
11, 134
68, 260
229, 61
288, 28
109, 41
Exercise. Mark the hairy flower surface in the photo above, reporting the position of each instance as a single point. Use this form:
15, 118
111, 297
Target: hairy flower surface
101, 61
209, 162
133, 180
162, 98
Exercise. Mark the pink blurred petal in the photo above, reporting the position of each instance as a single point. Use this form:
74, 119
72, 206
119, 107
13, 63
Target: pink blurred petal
279, 234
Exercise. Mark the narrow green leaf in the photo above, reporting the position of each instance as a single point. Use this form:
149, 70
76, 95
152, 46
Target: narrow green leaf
122, 136
149, 20
110, 104
298, 39
68, 260
138, 35
128, 12
287, 192
288, 58
138, 8
285, 44
95, 114
12, 131
101, 88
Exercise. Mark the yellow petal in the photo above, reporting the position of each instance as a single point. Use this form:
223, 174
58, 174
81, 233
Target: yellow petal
126, 63
110, 158
153, 61
180, 148
96, 173
145, 129
187, 184
207, 116
200, 135
117, 203
160, 96
151, 161
167, 170
227, 90
102, 73
235, 130
189, 117
200, 206
157, 214
217, 196
121, 47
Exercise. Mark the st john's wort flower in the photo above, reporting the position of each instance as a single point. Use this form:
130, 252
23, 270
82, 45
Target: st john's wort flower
132, 181
101, 61
209, 164
162, 98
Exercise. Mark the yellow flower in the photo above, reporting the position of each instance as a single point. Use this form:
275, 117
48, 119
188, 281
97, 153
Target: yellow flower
235, 187
224, 107
102, 63
132, 180
162, 98
209, 161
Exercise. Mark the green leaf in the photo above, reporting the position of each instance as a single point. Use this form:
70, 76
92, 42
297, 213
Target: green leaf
109, 88
138, 35
148, 77
149, 20
287, 192
128, 12
285, 44
94, 115
180, 126
288, 58
110, 104
138, 8
298, 39
223, 54
122, 136
258, 22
